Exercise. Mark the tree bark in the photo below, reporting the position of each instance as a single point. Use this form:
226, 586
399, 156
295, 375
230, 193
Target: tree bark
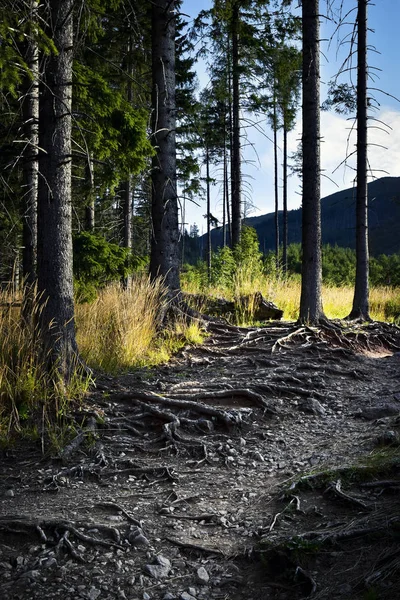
285, 207
30, 113
55, 280
310, 301
164, 258
90, 195
360, 309
127, 198
208, 215
276, 191
236, 159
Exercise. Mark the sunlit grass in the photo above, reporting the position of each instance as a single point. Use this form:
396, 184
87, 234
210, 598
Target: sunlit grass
285, 293
120, 330
32, 399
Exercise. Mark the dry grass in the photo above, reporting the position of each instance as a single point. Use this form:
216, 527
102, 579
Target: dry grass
32, 400
120, 329
337, 301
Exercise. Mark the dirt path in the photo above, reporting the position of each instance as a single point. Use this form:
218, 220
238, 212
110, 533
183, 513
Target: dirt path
165, 500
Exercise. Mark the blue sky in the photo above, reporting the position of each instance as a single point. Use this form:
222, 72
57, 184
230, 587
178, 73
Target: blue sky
383, 19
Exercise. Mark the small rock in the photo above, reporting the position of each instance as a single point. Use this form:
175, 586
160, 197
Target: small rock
169, 596
343, 589
146, 596
310, 405
50, 563
31, 575
160, 569
137, 538
186, 596
94, 593
192, 591
9, 494
202, 575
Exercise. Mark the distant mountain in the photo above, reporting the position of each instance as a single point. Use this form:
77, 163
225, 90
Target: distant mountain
339, 220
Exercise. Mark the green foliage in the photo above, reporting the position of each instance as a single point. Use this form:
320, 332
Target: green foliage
339, 264
113, 130
228, 264
247, 254
392, 310
98, 262
342, 98
223, 267
16, 26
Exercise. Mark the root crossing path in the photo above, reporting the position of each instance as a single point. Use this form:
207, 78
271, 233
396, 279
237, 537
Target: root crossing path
262, 464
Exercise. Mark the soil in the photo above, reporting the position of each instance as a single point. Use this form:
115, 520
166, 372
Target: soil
263, 464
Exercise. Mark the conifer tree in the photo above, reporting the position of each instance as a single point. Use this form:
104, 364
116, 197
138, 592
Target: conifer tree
360, 309
310, 301
54, 269
164, 257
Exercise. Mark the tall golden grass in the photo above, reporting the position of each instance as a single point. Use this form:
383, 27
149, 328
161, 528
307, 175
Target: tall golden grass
32, 399
117, 330
285, 293
121, 328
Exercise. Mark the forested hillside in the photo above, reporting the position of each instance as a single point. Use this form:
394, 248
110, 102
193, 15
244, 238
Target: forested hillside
338, 218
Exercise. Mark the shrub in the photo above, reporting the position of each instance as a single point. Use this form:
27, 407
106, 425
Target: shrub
98, 262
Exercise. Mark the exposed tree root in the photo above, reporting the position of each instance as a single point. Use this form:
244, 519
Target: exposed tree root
74, 445
58, 533
335, 488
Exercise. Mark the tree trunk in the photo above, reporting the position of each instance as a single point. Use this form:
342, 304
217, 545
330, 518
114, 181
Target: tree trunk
90, 195
360, 309
127, 199
164, 259
208, 215
276, 191
224, 192
285, 208
236, 159
183, 228
30, 112
310, 301
55, 281
127, 222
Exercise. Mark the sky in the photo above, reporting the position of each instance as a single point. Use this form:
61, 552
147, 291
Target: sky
384, 54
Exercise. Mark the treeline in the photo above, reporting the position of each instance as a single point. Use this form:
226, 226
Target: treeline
339, 266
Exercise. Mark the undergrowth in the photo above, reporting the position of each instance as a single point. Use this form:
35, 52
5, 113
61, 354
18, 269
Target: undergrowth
285, 293
120, 330
33, 402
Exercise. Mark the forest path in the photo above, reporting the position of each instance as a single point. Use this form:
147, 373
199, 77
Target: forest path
197, 461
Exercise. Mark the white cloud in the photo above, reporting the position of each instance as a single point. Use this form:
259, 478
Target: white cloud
334, 130
383, 151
